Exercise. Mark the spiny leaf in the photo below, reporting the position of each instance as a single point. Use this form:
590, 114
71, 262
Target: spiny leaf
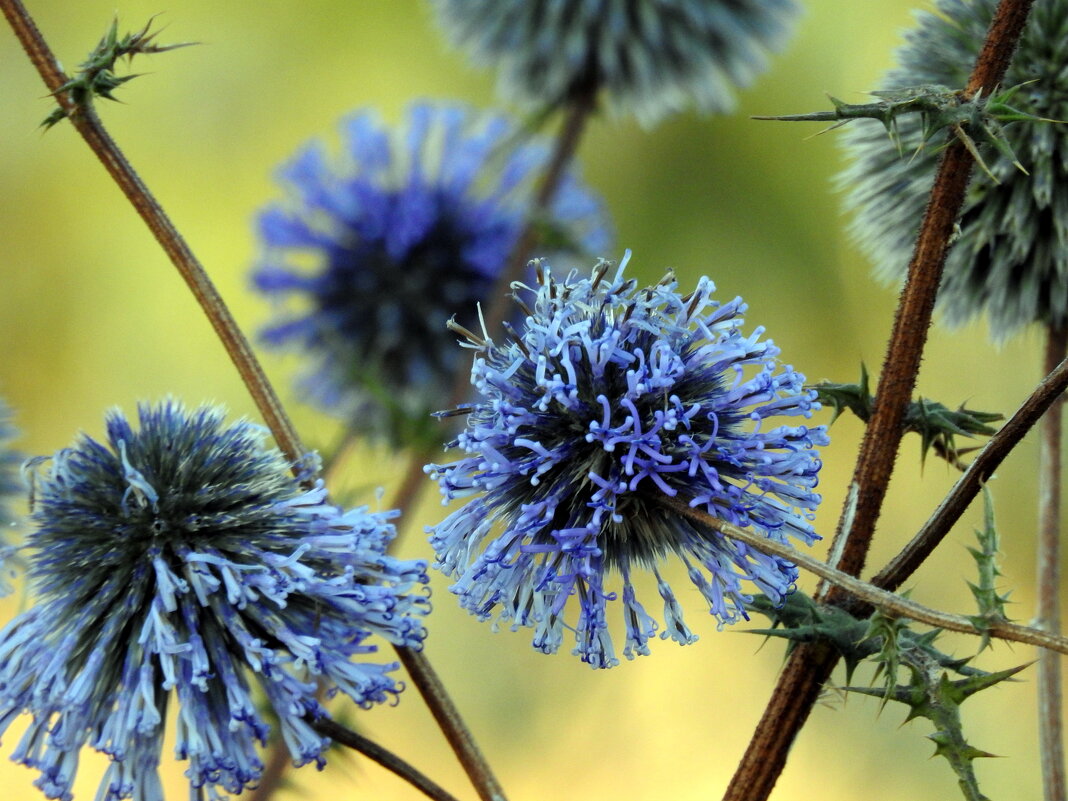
975, 121
990, 602
886, 632
933, 695
937, 425
96, 76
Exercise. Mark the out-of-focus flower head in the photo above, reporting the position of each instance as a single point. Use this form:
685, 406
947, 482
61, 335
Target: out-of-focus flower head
1011, 256
372, 251
611, 398
652, 57
184, 562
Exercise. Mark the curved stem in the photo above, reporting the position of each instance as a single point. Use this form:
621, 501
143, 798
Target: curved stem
1048, 557
387, 759
807, 667
89, 126
896, 605
91, 129
448, 718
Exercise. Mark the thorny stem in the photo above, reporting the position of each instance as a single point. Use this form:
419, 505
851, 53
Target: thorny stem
895, 605
809, 666
385, 758
87, 123
1048, 617
92, 130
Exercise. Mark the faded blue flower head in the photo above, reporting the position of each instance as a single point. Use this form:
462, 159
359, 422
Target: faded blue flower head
9, 486
373, 251
611, 398
652, 57
184, 562
1011, 257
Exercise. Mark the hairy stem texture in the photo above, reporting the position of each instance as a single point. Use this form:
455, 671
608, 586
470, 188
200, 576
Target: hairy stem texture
809, 667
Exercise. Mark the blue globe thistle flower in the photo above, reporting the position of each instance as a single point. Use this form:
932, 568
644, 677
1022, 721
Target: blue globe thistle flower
403, 230
9, 486
652, 57
184, 559
611, 398
1010, 258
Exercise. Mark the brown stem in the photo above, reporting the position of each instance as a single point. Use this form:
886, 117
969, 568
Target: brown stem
89, 126
499, 301
901, 567
405, 496
385, 758
417, 665
85, 120
448, 718
808, 667
1048, 617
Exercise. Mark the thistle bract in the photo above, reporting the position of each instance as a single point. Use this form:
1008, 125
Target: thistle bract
374, 250
9, 485
184, 563
1010, 258
652, 57
611, 398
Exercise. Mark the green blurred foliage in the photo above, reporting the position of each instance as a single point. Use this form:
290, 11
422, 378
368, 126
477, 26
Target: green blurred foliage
92, 315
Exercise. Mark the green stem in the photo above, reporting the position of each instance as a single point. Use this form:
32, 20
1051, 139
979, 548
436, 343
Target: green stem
808, 666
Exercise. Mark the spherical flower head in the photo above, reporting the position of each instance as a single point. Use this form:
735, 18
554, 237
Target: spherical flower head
372, 252
184, 559
9, 486
611, 399
652, 57
1011, 256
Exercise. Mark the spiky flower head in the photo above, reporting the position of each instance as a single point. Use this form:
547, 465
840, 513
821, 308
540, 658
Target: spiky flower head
651, 57
372, 251
1011, 256
9, 486
184, 560
611, 398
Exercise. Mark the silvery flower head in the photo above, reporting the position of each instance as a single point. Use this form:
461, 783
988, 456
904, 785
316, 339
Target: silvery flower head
651, 57
183, 564
1011, 256
9, 486
374, 250
611, 398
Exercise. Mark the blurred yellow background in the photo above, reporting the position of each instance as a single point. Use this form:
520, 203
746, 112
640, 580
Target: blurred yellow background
92, 316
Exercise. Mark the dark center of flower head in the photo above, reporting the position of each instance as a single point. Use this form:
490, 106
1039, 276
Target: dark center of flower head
638, 436
613, 398
174, 487
609, 401
389, 310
